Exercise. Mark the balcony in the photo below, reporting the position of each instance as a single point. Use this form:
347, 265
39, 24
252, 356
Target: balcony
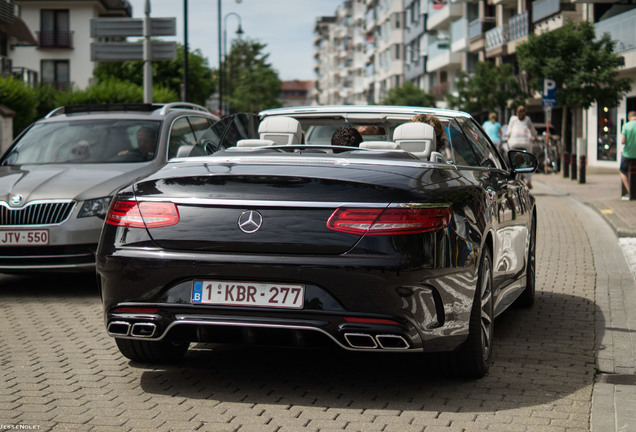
622, 31
480, 26
441, 19
459, 32
440, 57
496, 39
55, 39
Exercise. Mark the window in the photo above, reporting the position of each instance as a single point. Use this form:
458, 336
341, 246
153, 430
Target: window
55, 73
607, 133
55, 29
473, 145
181, 134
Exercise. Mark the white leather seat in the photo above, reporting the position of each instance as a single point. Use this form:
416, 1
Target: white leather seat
280, 129
416, 137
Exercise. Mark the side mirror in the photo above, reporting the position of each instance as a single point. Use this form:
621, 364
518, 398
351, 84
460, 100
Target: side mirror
522, 162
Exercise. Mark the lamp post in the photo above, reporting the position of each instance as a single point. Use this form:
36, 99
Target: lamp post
186, 94
220, 58
239, 32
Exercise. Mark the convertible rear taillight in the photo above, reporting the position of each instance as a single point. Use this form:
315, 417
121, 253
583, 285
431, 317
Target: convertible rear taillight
390, 221
143, 214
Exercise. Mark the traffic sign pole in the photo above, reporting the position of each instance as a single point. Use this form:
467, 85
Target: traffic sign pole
147, 55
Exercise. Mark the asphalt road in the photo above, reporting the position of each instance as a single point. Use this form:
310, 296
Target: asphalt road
60, 371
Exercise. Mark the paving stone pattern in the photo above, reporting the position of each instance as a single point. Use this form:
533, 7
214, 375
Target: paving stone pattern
60, 371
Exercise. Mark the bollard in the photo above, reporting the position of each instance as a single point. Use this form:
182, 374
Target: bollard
573, 166
631, 179
582, 163
566, 165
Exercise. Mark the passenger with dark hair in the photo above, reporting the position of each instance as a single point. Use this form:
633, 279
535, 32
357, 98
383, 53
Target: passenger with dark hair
346, 136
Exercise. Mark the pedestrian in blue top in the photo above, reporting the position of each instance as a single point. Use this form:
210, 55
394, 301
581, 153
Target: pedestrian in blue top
629, 151
493, 129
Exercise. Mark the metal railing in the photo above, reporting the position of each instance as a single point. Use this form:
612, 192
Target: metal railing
55, 39
519, 26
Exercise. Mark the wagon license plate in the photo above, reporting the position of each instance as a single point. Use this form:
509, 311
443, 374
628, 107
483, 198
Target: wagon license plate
228, 293
24, 238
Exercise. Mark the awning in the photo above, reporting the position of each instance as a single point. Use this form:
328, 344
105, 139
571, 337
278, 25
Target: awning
19, 30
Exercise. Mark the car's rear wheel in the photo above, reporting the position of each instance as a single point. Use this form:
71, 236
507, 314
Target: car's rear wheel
526, 299
163, 351
473, 358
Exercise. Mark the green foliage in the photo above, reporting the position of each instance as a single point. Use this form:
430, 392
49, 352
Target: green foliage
46, 97
251, 84
408, 94
113, 91
21, 99
584, 68
489, 88
167, 74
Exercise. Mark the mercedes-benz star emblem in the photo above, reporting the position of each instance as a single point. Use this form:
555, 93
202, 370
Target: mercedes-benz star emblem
250, 221
16, 200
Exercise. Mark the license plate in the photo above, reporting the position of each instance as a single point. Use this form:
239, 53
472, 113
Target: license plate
24, 238
248, 294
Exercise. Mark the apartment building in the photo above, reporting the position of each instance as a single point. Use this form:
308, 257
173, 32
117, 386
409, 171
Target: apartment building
61, 54
13, 32
428, 42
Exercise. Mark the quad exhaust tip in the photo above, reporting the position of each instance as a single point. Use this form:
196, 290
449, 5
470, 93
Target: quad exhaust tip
382, 341
140, 330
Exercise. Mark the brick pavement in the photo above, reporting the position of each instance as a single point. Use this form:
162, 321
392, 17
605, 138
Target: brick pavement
60, 371
614, 396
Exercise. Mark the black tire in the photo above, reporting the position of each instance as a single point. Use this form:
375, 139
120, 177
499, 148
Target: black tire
163, 351
526, 298
474, 357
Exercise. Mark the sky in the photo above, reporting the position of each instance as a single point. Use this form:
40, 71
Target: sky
285, 26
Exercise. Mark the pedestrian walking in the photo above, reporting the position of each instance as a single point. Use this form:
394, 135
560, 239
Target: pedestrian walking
493, 129
629, 150
521, 134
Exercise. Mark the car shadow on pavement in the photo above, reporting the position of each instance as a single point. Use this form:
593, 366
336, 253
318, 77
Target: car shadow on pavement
542, 355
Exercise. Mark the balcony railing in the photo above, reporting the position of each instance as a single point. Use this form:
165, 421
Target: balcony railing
55, 39
496, 37
519, 26
621, 29
542, 9
479, 26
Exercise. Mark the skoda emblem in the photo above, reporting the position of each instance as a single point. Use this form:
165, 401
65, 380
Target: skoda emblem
250, 221
16, 200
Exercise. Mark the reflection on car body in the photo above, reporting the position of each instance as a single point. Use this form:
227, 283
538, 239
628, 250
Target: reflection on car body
370, 248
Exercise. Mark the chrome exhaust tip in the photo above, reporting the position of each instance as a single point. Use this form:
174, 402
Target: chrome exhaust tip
392, 342
119, 328
360, 340
143, 330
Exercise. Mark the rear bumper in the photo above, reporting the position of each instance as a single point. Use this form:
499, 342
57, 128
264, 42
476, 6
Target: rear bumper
72, 258
430, 307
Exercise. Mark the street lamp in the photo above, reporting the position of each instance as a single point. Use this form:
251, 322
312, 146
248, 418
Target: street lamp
220, 58
239, 32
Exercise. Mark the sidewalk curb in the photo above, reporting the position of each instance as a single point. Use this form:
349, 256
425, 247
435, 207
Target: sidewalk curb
618, 226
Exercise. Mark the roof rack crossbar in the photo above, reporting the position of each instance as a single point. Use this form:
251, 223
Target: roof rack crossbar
187, 105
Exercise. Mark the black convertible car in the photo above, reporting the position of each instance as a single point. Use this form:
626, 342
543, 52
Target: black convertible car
412, 240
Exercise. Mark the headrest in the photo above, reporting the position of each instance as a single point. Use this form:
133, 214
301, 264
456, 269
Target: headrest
254, 143
282, 130
379, 145
415, 137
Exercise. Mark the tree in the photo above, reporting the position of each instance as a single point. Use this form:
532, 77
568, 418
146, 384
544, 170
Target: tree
21, 99
408, 94
113, 91
166, 74
490, 88
251, 84
585, 68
